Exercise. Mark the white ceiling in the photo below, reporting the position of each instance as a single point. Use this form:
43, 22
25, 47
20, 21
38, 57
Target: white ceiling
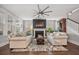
25, 11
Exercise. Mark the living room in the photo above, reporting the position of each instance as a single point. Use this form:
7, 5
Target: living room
29, 29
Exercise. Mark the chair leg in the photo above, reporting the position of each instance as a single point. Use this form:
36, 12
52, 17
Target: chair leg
11, 49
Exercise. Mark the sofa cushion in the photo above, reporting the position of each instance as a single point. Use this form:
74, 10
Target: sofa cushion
17, 38
60, 37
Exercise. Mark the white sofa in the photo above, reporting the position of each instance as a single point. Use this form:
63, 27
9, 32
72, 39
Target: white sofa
58, 38
20, 42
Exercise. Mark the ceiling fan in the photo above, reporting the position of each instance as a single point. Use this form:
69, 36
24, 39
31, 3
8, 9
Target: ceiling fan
42, 12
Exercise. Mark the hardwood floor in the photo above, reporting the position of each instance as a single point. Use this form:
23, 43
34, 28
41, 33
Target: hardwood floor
73, 50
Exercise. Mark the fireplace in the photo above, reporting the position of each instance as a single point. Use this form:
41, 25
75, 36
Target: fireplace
39, 26
39, 33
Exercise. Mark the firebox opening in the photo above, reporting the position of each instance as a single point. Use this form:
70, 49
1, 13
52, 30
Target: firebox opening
39, 33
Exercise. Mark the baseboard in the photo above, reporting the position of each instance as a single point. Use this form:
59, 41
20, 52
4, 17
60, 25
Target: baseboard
4, 43
74, 42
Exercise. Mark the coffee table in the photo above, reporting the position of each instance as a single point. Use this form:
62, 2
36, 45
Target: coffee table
40, 41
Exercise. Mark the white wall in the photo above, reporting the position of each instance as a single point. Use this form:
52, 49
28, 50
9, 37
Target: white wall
12, 26
1, 25
28, 23
4, 13
75, 16
72, 25
51, 23
72, 30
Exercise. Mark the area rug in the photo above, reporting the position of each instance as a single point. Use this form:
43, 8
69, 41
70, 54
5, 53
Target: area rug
46, 47
59, 48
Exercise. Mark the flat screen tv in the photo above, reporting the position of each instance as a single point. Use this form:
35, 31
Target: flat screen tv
39, 23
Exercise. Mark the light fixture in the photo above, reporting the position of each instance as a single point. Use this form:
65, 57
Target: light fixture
75, 10
70, 13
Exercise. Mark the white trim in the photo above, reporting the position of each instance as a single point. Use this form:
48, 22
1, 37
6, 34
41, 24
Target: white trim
4, 43
72, 32
74, 42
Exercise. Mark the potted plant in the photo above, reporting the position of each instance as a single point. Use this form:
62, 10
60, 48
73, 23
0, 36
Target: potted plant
49, 30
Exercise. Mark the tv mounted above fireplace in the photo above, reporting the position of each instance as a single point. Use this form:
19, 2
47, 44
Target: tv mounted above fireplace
39, 23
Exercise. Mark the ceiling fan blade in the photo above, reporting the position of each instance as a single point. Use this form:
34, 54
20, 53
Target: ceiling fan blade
39, 8
36, 14
46, 14
47, 11
45, 8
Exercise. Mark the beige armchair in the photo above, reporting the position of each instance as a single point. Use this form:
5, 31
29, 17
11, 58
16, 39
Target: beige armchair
17, 42
58, 38
20, 41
